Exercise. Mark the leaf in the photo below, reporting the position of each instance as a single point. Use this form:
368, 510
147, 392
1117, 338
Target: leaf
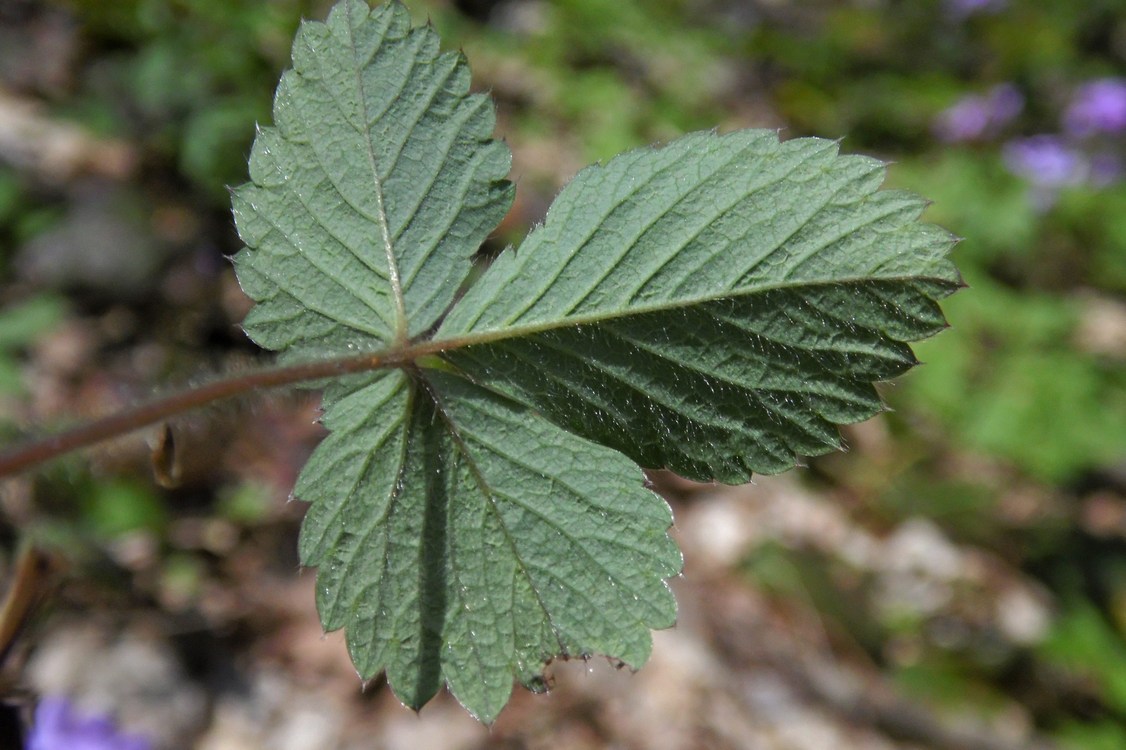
463, 538
716, 306
372, 191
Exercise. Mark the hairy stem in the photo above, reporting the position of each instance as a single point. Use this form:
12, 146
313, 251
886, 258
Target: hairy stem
23, 457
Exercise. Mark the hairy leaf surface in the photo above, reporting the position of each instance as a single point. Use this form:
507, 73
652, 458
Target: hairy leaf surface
716, 306
376, 184
463, 538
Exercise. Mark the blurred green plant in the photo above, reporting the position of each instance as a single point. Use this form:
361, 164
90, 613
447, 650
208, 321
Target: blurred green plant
20, 326
1092, 735
605, 74
190, 77
1017, 369
1085, 646
246, 504
111, 508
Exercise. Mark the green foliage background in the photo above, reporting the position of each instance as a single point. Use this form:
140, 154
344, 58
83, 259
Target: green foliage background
1015, 387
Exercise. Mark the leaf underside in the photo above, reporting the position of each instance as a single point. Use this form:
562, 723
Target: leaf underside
716, 306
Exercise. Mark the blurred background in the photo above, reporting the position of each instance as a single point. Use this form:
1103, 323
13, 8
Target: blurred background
957, 579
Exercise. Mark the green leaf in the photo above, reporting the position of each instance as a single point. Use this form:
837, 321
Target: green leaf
716, 306
372, 191
21, 324
463, 538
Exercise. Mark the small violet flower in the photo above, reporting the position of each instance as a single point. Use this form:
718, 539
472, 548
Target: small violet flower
58, 726
1097, 107
1049, 164
1046, 161
963, 8
975, 117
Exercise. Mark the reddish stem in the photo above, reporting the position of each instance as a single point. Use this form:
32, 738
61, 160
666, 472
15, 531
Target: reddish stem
20, 458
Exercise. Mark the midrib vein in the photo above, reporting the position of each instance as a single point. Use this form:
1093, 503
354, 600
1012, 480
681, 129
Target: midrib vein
485, 486
462, 340
384, 225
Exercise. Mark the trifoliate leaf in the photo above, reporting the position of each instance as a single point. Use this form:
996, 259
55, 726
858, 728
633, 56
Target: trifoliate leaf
716, 306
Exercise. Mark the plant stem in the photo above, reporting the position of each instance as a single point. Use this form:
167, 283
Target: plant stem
31, 580
20, 458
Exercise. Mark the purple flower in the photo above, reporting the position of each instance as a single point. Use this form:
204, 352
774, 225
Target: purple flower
964, 8
1006, 102
975, 117
1106, 169
967, 120
1046, 161
1097, 107
58, 727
